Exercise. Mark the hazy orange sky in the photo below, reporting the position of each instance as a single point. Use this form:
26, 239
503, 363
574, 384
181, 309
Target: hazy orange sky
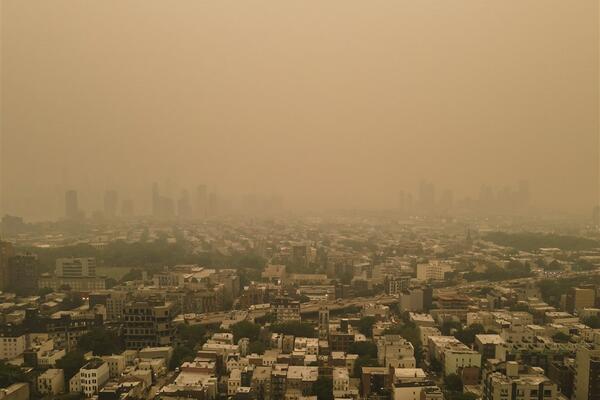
331, 104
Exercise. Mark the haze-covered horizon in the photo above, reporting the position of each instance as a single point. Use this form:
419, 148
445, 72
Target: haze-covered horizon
330, 105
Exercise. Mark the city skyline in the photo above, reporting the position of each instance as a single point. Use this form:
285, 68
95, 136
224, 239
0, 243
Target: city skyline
337, 109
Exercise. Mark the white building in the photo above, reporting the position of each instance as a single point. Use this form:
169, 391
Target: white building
11, 346
93, 376
395, 351
234, 382
51, 382
75, 267
341, 384
453, 354
310, 345
116, 364
432, 271
409, 383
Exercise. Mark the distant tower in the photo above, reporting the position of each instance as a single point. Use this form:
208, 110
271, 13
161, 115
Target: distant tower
127, 208
155, 200
111, 201
213, 205
201, 202
71, 205
323, 323
184, 207
469, 240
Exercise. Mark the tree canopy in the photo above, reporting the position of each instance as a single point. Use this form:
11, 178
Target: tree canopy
245, 329
296, 328
363, 349
365, 325
101, 342
71, 363
323, 388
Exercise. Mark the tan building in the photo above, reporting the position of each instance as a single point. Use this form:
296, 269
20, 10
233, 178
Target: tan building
51, 382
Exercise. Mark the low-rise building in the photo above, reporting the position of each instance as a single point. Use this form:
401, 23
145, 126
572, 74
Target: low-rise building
51, 382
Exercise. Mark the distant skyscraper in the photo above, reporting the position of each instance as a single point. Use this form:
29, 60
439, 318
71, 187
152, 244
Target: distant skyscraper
6, 252
427, 196
23, 273
127, 208
523, 195
447, 200
402, 202
155, 200
212, 205
111, 201
323, 323
71, 205
184, 207
201, 202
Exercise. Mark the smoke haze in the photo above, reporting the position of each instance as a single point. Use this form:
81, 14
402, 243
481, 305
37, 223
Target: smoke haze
335, 104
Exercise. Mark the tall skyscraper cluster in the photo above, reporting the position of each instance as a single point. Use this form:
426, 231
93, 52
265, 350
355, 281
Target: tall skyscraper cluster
507, 200
201, 204
111, 207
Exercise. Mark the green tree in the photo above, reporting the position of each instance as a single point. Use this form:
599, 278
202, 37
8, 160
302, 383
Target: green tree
10, 374
134, 274
256, 347
296, 328
44, 291
191, 335
71, 363
365, 326
245, 329
181, 354
449, 326
72, 300
593, 322
323, 388
561, 337
467, 335
461, 396
101, 342
364, 361
436, 366
368, 349
453, 383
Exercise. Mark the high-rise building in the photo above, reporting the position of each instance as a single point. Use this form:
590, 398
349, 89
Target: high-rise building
427, 196
6, 252
402, 202
184, 206
510, 381
213, 206
127, 209
323, 323
71, 205
587, 373
447, 200
201, 202
286, 309
162, 207
579, 298
111, 201
523, 195
23, 273
155, 200
148, 324
75, 267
